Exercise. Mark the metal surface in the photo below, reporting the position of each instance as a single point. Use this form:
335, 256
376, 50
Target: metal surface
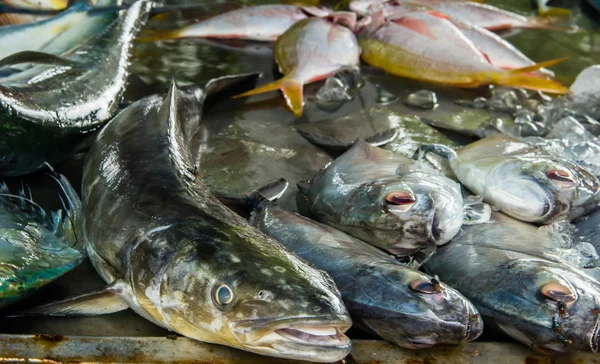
54, 349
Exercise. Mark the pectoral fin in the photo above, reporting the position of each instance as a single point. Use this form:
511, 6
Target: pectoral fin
95, 303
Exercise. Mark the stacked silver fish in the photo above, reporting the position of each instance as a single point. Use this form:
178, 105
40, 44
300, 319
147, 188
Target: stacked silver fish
504, 229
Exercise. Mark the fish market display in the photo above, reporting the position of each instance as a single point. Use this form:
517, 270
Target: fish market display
261, 23
55, 35
37, 247
37, 125
181, 259
311, 50
399, 304
524, 181
427, 46
387, 200
549, 306
444, 158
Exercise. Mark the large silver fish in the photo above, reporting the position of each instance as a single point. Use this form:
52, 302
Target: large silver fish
178, 257
547, 305
390, 201
47, 109
524, 181
35, 247
400, 304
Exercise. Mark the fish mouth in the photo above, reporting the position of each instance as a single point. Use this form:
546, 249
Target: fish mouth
474, 326
310, 338
594, 336
423, 342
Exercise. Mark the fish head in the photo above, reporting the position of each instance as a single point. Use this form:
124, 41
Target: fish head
550, 307
419, 311
404, 214
256, 298
542, 189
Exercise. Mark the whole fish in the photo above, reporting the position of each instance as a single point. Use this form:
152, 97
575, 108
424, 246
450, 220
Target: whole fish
549, 306
524, 181
260, 23
387, 200
481, 15
428, 47
47, 109
397, 303
181, 259
311, 50
35, 247
36, 4
55, 35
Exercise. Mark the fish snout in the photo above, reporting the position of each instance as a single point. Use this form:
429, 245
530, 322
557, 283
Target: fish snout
474, 326
447, 218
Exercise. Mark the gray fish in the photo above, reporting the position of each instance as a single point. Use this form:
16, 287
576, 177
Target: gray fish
181, 259
35, 247
524, 181
387, 200
400, 304
46, 110
547, 305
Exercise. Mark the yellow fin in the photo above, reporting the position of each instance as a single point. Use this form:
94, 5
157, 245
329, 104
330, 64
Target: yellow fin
555, 12
292, 91
523, 78
156, 35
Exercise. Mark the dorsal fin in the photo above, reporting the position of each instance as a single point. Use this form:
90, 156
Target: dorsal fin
179, 153
361, 150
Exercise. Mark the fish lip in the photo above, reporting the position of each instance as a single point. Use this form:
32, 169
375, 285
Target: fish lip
343, 323
594, 335
472, 331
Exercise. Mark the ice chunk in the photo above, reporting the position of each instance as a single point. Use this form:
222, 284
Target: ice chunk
423, 99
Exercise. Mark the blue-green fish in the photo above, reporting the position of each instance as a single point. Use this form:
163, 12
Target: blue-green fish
399, 304
36, 247
387, 200
543, 303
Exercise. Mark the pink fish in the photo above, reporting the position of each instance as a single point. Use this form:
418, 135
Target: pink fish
311, 50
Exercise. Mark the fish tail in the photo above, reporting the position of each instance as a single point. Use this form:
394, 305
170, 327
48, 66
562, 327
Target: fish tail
552, 21
524, 78
292, 91
149, 35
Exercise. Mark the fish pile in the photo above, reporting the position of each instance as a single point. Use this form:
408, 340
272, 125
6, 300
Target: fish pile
393, 225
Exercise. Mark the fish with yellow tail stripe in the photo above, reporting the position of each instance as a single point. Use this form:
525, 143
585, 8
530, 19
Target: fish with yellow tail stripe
425, 46
311, 50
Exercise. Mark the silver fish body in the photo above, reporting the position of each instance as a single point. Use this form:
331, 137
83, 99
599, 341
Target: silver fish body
545, 304
387, 200
397, 303
526, 182
47, 109
183, 260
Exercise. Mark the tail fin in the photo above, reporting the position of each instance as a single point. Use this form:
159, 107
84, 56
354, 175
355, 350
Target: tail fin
523, 77
292, 91
149, 35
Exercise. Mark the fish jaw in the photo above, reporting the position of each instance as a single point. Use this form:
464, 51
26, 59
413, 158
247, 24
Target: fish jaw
303, 338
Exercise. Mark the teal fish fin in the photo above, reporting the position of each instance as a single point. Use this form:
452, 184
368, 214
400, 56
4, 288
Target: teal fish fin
264, 194
69, 226
95, 303
383, 138
37, 58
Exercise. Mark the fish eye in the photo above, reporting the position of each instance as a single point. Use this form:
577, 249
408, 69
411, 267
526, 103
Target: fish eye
223, 294
427, 287
400, 200
561, 177
558, 292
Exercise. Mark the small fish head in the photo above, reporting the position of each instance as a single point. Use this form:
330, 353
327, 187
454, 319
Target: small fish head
408, 213
543, 190
420, 311
255, 297
552, 308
